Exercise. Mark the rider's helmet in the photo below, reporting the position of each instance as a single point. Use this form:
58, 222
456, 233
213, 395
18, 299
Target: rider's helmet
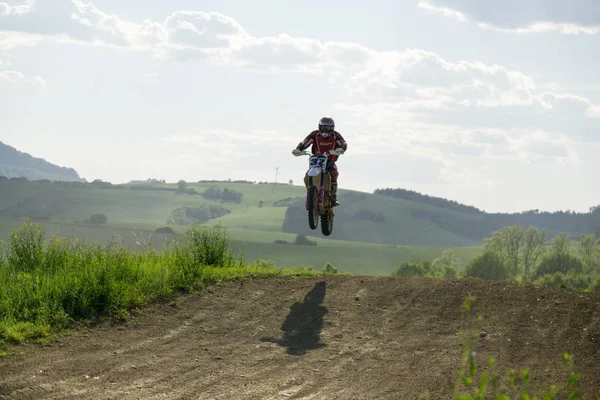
326, 126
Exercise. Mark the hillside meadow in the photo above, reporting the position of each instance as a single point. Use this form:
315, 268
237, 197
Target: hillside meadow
255, 224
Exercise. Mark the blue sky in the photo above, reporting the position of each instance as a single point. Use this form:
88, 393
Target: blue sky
491, 104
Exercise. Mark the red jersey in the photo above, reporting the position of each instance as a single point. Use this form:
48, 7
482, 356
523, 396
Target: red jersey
322, 144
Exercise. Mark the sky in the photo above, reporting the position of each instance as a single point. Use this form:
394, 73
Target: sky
492, 104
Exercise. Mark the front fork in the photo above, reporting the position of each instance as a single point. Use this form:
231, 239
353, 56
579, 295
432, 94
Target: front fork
321, 193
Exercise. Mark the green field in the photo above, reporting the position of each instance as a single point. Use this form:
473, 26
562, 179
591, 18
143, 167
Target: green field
62, 208
354, 257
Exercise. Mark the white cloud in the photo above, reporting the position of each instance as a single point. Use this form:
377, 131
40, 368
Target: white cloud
10, 40
565, 29
422, 78
18, 77
7, 10
443, 10
515, 16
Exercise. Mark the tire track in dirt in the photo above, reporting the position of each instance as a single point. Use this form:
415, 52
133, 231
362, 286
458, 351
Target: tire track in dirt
313, 338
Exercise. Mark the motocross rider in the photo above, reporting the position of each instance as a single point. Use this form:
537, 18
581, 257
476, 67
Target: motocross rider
326, 140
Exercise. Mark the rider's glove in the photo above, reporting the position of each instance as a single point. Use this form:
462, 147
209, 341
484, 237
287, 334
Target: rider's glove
297, 152
338, 152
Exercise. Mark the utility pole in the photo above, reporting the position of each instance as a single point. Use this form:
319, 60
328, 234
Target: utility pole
276, 176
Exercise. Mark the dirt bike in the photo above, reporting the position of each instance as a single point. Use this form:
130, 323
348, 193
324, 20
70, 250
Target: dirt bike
318, 193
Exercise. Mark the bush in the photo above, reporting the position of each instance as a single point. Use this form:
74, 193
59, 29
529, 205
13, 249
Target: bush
410, 268
98, 219
302, 240
196, 215
554, 262
487, 266
181, 186
165, 229
450, 272
207, 246
26, 248
329, 268
568, 281
226, 195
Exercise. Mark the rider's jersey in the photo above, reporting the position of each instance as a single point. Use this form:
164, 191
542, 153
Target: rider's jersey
322, 145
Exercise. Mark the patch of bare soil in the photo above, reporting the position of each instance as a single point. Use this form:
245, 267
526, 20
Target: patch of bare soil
315, 338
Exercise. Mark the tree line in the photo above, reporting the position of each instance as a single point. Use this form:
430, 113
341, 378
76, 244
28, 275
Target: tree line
526, 255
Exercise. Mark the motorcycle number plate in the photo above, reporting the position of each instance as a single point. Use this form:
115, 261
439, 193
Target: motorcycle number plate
318, 161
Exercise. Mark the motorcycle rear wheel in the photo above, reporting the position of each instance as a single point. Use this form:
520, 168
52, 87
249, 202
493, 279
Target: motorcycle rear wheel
327, 224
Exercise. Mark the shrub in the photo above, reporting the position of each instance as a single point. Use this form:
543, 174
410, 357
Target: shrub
566, 281
450, 272
329, 268
98, 219
181, 186
165, 229
487, 266
196, 215
26, 248
302, 240
410, 268
554, 262
226, 195
200, 247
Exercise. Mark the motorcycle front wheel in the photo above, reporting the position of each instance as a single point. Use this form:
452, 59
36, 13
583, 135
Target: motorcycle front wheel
313, 207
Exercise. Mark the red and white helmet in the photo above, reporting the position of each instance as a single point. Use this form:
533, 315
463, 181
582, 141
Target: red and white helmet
326, 126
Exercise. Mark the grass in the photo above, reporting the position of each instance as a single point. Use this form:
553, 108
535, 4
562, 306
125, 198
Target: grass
149, 209
48, 285
353, 257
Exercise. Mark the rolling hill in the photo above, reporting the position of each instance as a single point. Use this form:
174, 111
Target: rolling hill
264, 212
16, 164
373, 233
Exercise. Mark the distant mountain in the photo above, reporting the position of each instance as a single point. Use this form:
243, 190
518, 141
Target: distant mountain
16, 164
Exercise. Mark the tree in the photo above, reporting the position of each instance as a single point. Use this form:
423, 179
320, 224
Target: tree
98, 219
488, 265
555, 262
559, 258
588, 248
561, 243
449, 258
533, 248
410, 268
508, 244
182, 186
291, 182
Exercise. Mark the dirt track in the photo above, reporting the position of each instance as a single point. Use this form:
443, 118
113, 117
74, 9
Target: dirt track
314, 338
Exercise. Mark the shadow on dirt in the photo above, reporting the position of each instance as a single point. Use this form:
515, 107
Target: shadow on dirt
303, 324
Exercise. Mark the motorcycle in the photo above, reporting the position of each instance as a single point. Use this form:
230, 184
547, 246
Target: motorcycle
318, 193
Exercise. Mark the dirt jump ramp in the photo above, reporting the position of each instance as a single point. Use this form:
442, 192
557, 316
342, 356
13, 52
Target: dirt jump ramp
315, 338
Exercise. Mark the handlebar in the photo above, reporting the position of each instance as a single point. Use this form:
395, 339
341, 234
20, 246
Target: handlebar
306, 153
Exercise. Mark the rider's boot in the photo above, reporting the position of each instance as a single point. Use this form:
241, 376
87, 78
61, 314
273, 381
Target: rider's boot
334, 202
